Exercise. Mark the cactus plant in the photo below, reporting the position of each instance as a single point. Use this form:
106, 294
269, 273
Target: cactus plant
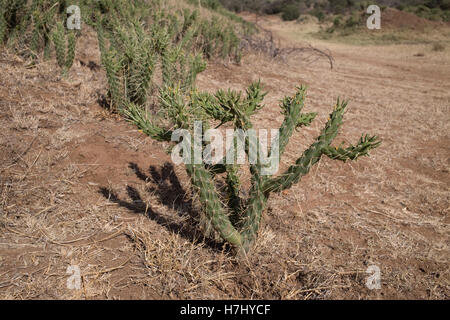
3, 25
132, 54
27, 24
64, 57
234, 218
129, 62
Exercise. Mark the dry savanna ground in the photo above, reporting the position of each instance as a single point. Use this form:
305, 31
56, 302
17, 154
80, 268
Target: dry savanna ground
82, 187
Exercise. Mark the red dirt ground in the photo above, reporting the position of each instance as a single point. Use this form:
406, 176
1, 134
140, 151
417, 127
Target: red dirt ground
395, 19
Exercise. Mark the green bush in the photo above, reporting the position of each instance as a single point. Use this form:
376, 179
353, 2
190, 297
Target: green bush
337, 21
353, 21
290, 12
319, 14
446, 16
445, 4
274, 7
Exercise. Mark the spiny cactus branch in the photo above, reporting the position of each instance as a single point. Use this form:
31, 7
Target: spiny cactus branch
139, 117
365, 144
214, 211
233, 189
291, 109
64, 57
311, 156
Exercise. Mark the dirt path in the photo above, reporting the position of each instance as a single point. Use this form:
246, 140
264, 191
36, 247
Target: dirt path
79, 187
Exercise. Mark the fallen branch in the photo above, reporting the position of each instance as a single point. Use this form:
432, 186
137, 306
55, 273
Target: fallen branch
265, 43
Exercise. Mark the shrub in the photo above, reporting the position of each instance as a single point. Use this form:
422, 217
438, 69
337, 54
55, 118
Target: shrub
337, 21
352, 21
446, 16
445, 4
290, 12
274, 7
319, 14
422, 9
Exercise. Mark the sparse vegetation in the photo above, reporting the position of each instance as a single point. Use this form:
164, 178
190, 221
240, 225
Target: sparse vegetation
79, 186
235, 219
130, 50
179, 43
29, 26
290, 12
437, 10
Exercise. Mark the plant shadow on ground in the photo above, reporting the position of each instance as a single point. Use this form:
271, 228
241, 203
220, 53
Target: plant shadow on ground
164, 183
104, 101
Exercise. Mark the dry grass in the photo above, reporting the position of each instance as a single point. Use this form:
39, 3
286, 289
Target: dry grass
80, 187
